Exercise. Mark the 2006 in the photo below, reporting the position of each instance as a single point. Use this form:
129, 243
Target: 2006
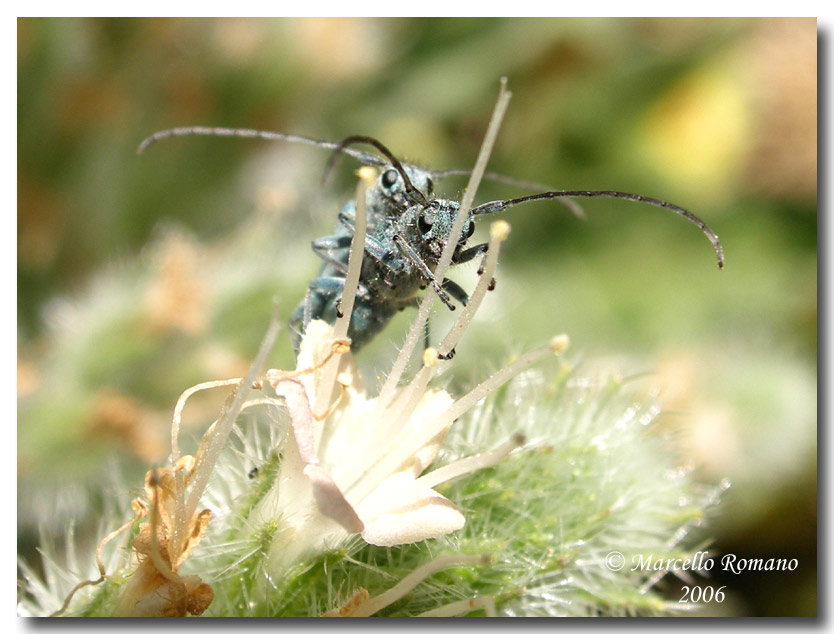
696, 594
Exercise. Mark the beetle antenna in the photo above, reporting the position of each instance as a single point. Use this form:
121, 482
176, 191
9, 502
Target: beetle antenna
574, 207
500, 205
248, 133
491, 176
415, 193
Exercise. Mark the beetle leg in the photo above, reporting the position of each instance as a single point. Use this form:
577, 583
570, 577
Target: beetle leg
326, 248
412, 255
454, 289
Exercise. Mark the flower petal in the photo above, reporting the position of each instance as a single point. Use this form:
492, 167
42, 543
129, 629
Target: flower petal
301, 417
330, 500
426, 515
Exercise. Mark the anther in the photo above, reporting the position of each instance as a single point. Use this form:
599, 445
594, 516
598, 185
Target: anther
559, 343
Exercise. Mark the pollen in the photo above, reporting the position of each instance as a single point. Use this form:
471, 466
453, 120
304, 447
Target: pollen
430, 357
559, 343
367, 174
499, 230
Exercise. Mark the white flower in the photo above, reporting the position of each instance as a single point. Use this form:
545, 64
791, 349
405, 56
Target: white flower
358, 467
328, 490
354, 463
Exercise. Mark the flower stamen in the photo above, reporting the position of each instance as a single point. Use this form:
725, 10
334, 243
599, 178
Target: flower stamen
355, 257
399, 448
464, 607
499, 231
139, 510
388, 388
468, 465
410, 396
379, 602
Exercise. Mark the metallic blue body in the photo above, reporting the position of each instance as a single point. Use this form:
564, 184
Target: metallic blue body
376, 301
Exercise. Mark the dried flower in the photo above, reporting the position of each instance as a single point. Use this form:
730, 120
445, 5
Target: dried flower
155, 587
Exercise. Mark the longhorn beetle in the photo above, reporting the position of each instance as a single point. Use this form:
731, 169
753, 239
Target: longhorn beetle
407, 231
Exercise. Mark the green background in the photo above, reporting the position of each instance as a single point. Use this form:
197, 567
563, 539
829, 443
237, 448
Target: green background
716, 115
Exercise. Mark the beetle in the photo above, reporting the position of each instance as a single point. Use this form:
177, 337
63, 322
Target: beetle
406, 233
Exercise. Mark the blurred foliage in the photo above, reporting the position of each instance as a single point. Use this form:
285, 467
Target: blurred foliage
140, 276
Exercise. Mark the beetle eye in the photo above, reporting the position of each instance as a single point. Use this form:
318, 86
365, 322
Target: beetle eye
469, 231
424, 223
389, 178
